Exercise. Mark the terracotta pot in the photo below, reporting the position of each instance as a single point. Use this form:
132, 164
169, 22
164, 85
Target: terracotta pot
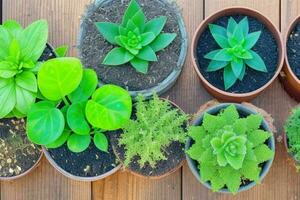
289, 80
214, 107
227, 96
153, 177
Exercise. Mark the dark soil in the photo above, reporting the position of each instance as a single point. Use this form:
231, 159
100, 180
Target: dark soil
47, 54
90, 163
17, 153
93, 47
293, 50
174, 154
266, 47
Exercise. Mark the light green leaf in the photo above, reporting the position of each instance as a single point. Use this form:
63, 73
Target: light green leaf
7, 96
101, 142
25, 99
7, 69
59, 77
61, 51
237, 67
230, 114
140, 65
231, 27
232, 178
258, 137
207, 171
250, 170
254, 122
219, 55
108, 30
156, 25
263, 153
5, 40
14, 52
147, 54
242, 75
118, 56
132, 8
244, 55
251, 40
162, 41
216, 182
219, 34
244, 25
229, 77
256, 62
27, 80
78, 143
60, 141
45, 123
13, 27
216, 65
110, 108
139, 20
76, 119
147, 38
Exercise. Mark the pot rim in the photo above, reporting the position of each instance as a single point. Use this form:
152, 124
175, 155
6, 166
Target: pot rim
271, 143
171, 79
160, 176
248, 12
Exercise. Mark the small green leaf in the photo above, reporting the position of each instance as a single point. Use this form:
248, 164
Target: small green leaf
162, 41
27, 80
78, 143
237, 67
147, 38
108, 30
60, 141
61, 51
140, 65
230, 114
250, 170
237, 37
139, 19
263, 153
216, 182
251, 40
219, 55
118, 56
7, 96
7, 69
59, 77
258, 137
216, 65
101, 142
86, 87
13, 27
156, 25
207, 171
256, 62
219, 34
14, 51
229, 77
76, 119
147, 54
232, 178
110, 108
25, 99
254, 122
244, 26
132, 8
45, 123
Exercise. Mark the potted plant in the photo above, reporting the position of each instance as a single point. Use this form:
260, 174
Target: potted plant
73, 119
231, 148
292, 136
237, 53
138, 45
151, 145
290, 74
22, 50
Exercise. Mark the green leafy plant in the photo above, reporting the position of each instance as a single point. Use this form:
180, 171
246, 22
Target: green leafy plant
292, 129
235, 54
156, 126
20, 50
137, 39
229, 149
86, 112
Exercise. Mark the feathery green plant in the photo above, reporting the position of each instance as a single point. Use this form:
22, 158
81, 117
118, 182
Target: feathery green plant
229, 149
137, 39
235, 54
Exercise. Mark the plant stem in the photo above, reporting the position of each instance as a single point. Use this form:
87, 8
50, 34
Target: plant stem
66, 101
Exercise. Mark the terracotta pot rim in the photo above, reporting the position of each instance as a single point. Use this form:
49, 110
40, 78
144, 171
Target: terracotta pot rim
160, 176
74, 177
262, 18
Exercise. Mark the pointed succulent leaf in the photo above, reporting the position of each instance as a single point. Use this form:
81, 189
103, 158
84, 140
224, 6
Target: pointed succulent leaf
232, 178
244, 26
147, 54
78, 143
263, 153
229, 77
162, 41
108, 30
258, 137
231, 27
220, 35
140, 65
216, 65
254, 122
251, 39
131, 10
256, 63
216, 182
156, 25
230, 114
250, 170
139, 20
147, 38
237, 67
207, 172
219, 55
118, 56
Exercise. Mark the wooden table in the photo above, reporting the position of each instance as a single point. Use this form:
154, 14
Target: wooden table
282, 182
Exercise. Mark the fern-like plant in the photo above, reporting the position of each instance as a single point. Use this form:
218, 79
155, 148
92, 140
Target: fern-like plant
229, 149
292, 129
156, 126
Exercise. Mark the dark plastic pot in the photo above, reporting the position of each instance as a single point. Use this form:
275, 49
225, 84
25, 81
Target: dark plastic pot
244, 111
166, 84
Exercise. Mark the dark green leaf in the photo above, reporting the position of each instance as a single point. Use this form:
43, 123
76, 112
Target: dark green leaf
162, 41
117, 56
101, 142
140, 65
220, 35
132, 8
147, 54
229, 77
45, 123
237, 36
256, 62
7, 96
61, 51
13, 27
156, 25
25, 99
219, 55
147, 38
86, 87
78, 143
108, 30
216, 65
60, 141
251, 40
27, 80
237, 67
76, 119
244, 25
241, 77
139, 20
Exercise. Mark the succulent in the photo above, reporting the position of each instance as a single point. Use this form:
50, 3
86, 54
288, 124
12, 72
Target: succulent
235, 54
156, 126
229, 149
137, 40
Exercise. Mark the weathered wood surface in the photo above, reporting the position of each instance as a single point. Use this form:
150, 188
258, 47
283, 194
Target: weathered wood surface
45, 183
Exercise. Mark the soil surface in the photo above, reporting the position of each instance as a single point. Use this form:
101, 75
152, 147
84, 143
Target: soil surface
93, 47
90, 163
266, 47
17, 153
293, 50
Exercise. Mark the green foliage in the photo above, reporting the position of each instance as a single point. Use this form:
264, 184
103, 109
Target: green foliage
292, 129
156, 126
76, 123
61, 51
235, 54
229, 149
20, 50
137, 39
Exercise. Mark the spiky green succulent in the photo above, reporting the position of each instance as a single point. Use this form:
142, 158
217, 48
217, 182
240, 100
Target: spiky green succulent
137, 40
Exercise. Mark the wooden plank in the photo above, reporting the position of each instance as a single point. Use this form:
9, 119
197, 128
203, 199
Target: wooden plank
276, 102
63, 19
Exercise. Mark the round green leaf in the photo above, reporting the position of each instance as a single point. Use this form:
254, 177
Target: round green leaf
86, 88
59, 77
45, 123
76, 119
78, 143
110, 108
101, 142
60, 141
